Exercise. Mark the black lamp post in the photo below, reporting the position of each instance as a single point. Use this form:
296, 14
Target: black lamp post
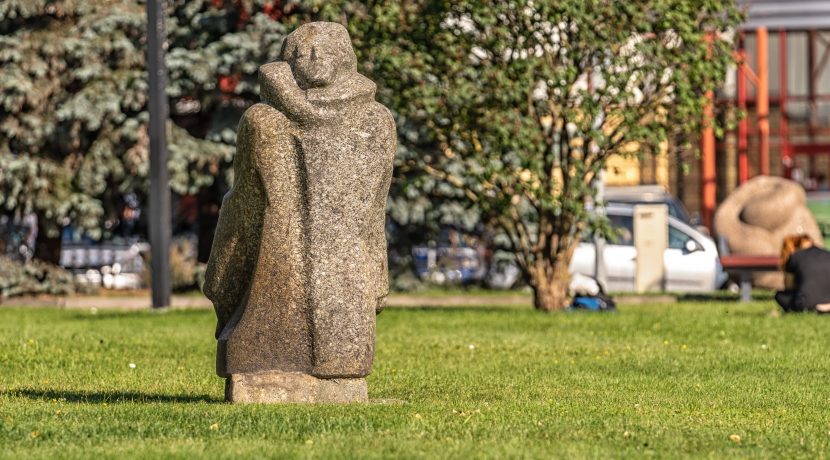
160, 214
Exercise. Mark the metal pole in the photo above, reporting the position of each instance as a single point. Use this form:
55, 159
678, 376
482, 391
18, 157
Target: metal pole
600, 270
160, 216
783, 91
707, 158
743, 124
708, 164
762, 99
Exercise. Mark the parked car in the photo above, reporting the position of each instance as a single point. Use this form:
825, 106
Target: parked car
690, 262
458, 258
649, 194
445, 265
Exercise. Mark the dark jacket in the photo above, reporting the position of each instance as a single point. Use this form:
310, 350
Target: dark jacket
811, 269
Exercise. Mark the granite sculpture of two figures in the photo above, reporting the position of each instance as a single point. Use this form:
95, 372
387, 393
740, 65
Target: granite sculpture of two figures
298, 268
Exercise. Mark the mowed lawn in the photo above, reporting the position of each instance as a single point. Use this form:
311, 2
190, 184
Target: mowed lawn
692, 379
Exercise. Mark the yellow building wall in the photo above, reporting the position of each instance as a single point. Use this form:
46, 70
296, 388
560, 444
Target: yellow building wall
622, 171
627, 170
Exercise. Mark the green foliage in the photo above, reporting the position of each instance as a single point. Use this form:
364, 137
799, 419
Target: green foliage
73, 97
35, 278
186, 274
662, 381
506, 110
73, 93
513, 107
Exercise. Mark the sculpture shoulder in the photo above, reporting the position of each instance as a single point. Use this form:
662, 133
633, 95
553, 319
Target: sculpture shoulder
383, 115
383, 124
262, 118
262, 131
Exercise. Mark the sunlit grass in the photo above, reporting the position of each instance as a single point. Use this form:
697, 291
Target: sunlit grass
697, 379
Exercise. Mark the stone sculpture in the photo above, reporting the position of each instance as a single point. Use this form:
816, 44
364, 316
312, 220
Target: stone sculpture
757, 216
298, 267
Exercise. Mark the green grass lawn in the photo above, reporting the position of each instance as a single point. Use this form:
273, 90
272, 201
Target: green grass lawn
821, 211
653, 380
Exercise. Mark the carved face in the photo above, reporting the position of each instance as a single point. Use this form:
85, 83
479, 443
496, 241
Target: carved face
319, 54
313, 65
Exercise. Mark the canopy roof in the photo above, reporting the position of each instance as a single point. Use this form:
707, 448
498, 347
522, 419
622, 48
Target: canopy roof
787, 14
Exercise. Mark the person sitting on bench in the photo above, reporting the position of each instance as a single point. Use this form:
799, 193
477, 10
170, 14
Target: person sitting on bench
806, 276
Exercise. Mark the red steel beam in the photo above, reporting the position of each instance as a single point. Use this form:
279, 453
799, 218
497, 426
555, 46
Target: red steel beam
707, 164
708, 179
811, 81
743, 123
783, 93
811, 149
762, 96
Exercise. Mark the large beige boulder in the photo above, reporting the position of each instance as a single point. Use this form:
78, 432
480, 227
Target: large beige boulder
757, 217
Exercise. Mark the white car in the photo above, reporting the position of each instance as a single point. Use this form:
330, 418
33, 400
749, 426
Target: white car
690, 262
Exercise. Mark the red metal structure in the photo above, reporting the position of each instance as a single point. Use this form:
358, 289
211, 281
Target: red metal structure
759, 78
782, 85
788, 102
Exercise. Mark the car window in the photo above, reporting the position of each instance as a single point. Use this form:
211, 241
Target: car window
623, 227
677, 238
675, 209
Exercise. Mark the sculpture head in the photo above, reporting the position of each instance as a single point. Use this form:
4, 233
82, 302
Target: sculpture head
319, 54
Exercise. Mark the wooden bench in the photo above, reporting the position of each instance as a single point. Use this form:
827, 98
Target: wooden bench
745, 266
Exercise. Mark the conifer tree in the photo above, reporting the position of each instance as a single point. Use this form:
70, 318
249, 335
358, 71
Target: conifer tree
73, 97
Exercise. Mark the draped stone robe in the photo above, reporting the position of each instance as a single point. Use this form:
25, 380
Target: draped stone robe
298, 267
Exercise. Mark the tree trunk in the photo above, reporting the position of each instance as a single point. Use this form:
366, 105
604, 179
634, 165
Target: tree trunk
550, 293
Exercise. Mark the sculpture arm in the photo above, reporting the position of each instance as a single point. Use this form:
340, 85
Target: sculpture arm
228, 246
389, 150
278, 87
232, 256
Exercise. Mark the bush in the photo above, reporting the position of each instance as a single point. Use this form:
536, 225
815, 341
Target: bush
186, 273
33, 278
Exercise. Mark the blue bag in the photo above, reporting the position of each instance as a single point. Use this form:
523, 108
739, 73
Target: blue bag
599, 302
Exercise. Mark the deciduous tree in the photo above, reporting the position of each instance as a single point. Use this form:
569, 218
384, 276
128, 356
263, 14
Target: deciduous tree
519, 103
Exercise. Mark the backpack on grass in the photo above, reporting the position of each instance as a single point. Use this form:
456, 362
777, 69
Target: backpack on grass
597, 302
588, 295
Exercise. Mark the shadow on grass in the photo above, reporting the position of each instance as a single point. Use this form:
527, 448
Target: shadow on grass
99, 397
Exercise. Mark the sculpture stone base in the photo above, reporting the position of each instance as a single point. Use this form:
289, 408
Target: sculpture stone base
283, 387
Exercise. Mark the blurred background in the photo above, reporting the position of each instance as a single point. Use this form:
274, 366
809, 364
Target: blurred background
74, 143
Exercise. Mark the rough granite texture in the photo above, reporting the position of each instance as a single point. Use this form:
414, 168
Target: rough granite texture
281, 387
759, 214
298, 267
